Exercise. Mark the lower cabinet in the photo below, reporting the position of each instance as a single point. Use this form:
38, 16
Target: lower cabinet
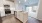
22, 16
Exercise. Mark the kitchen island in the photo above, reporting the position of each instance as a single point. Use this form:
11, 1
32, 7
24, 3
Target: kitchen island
22, 16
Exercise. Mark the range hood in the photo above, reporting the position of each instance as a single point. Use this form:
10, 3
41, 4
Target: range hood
10, 0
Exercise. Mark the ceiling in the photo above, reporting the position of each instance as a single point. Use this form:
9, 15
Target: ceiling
28, 2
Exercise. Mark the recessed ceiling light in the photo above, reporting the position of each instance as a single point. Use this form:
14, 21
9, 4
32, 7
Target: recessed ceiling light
19, 1
25, 0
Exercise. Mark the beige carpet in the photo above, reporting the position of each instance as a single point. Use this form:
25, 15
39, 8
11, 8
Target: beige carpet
10, 19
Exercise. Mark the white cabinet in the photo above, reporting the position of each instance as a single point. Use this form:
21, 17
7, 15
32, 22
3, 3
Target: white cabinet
22, 16
2, 13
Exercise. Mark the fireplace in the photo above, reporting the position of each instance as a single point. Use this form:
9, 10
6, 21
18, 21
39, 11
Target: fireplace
7, 11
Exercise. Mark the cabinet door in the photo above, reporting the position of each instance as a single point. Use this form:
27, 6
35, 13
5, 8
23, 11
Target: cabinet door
25, 17
21, 17
2, 13
18, 15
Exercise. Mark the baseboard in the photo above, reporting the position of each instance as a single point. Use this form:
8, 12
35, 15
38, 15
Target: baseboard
19, 20
39, 19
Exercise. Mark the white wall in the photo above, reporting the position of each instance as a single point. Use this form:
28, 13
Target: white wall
39, 15
2, 12
2, 3
19, 6
11, 5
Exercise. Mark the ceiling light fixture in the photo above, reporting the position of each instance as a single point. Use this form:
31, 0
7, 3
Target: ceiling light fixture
19, 1
25, 0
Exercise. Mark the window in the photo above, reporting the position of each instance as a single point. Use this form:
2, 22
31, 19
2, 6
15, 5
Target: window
28, 9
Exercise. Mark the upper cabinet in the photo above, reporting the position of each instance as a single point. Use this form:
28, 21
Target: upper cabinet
10, 0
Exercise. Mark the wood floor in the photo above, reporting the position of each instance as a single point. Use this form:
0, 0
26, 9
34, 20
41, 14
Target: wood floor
0, 20
10, 19
33, 20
